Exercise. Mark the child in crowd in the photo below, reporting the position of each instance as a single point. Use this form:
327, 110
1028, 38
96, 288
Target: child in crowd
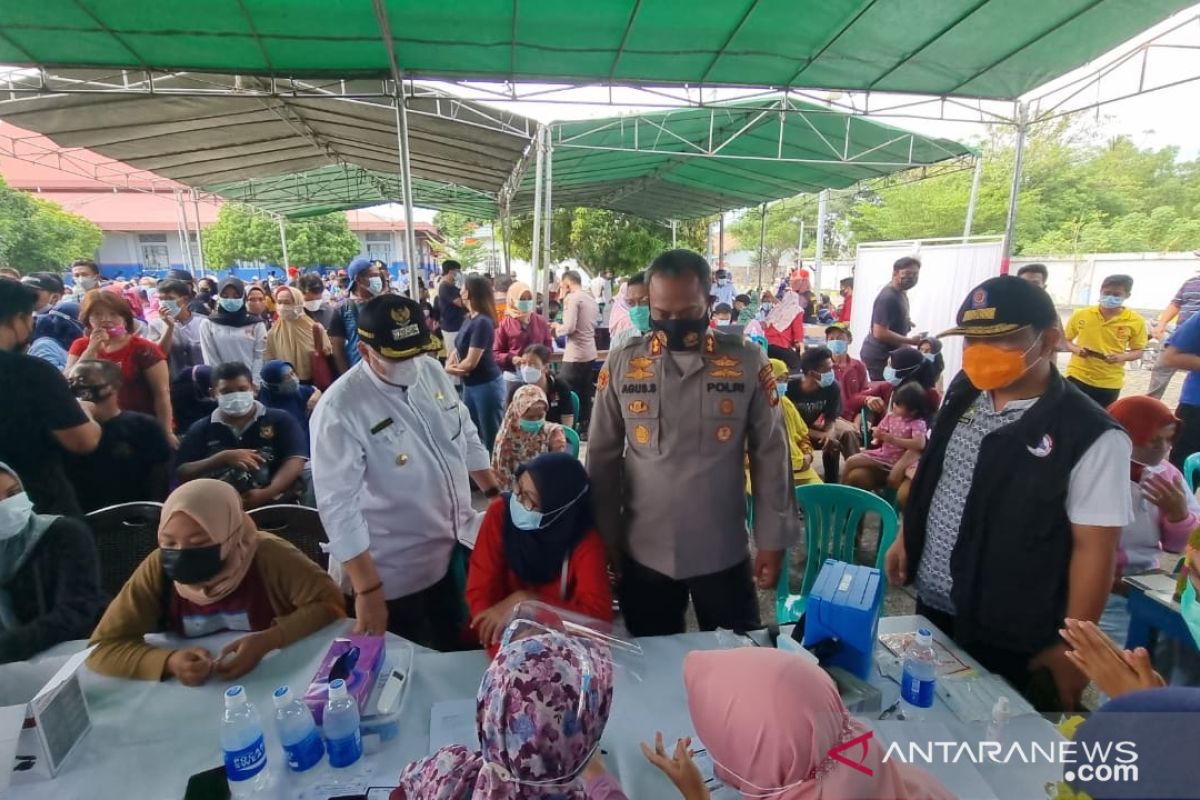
525, 434
538, 542
542, 707
799, 442
896, 442
213, 571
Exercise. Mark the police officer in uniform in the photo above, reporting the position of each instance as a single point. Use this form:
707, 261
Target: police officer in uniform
392, 446
677, 411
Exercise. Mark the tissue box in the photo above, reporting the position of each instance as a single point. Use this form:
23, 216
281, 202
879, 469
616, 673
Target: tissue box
363, 672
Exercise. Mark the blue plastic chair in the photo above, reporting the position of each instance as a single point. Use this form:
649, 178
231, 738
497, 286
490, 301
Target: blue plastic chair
833, 515
1191, 466
572, 440
575, 410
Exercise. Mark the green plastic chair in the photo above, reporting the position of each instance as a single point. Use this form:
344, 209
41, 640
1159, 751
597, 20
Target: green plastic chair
572, 440
1191, 466
574, 410
832, 517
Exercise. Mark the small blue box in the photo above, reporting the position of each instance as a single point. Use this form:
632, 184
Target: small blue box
843, 607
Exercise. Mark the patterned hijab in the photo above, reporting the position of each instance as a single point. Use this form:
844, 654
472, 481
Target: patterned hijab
785, 311
516, 446
541, 709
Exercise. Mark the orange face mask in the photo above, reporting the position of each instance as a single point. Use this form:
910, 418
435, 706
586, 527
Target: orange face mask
990, 367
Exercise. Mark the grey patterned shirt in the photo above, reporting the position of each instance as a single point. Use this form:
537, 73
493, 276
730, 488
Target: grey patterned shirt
950, 496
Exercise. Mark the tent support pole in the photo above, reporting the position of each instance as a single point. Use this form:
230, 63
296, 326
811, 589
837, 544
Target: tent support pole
547, 217
506, 232
184, 237
199, 235
721, 240
822, 208
283, 244
674, 235
410, 235
536, 251
973, 198
762, 243
1014, 193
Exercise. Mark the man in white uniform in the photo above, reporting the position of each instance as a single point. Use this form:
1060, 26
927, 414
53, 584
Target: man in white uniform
392, 447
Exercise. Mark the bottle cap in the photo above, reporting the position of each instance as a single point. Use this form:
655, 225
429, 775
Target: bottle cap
337, 689
282, 696
924, 637
1001, 707
235, 696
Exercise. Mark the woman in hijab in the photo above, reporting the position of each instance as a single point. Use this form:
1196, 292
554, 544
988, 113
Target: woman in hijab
191, 395
281, 389
525, 434
539, 542
520, 327
542, 707
213, 571
785, 325
232, 333
295, 338
49, 579
769, 720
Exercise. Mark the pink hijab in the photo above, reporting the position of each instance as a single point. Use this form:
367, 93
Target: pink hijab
769, 720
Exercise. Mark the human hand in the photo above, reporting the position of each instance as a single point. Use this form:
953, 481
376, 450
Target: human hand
876, 405
490, 623
767, 565
806, 462
172, 441
97, 340
191, 666
166, 316
895, 563
239, 657
311, 405
248, 460
1069, 680
1158, 331
518, 361
370, 613
1169, 496
830, 445
679, 767
254, 498
1114, 671
1114, 358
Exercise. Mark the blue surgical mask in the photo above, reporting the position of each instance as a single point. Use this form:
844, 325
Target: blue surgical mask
889, 375
170, 306
375, 285
532, 425
1111, 301
781, 389
827, 379
522, 517
231, 304
525, 306
640, 316
1189, 609
838, 346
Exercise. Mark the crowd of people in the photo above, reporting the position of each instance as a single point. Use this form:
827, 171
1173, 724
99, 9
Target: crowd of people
1025, 494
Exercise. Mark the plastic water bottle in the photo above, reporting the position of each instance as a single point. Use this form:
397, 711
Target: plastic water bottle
343, 739
920, 676
999, 723
298, 733
244, 748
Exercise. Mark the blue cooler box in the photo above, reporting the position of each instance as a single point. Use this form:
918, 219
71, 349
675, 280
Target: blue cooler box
843, 611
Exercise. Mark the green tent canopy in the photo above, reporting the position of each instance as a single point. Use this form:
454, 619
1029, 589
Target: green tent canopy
972, 48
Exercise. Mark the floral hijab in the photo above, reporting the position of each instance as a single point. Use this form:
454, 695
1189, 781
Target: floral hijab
516, 446
541, 709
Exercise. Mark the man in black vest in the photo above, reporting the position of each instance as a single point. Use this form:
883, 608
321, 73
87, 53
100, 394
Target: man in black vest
1019, 499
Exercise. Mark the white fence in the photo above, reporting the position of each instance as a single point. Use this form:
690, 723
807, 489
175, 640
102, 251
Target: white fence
1075, 281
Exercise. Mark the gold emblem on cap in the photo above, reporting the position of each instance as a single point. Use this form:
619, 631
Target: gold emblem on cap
401, 315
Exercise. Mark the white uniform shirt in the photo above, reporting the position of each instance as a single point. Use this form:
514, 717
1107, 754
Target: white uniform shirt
390, 467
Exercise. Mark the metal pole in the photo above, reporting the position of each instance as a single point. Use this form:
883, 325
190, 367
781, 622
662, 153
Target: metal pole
974, 196
674, 238
800, 247
506, 228
181, 221
410, 235
536, 250
547, 218
721, 240
495, 254
199, 236
762, 243
822, 207
283, 243
1014, 193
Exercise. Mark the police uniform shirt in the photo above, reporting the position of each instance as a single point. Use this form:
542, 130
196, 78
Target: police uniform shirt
666, 451
390, 468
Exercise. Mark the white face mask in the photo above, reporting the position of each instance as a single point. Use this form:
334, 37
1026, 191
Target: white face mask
15, 513
400, 373
531, 374
236, 403
291, 312
313, 305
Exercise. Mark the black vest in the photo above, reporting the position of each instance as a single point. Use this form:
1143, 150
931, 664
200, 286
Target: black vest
1011, 562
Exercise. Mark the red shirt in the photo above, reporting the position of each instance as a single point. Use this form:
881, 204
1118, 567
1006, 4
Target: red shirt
789, 337
137, 356
512, 338
844, 316
852, 380
489, 580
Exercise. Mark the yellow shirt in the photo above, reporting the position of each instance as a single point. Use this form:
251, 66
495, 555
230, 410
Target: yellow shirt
799, 445
1089, 329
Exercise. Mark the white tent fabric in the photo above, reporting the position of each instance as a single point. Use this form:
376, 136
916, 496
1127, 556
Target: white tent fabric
948, 272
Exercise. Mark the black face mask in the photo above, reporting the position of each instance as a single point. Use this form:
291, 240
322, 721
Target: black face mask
682, 334
907, 283
88, 392
192, 565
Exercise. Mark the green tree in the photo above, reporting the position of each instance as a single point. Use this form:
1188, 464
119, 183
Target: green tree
783, 229
458, 242
241, 234
36, 234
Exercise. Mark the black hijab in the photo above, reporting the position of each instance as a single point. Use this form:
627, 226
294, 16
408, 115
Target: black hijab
233, 319
536, 557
